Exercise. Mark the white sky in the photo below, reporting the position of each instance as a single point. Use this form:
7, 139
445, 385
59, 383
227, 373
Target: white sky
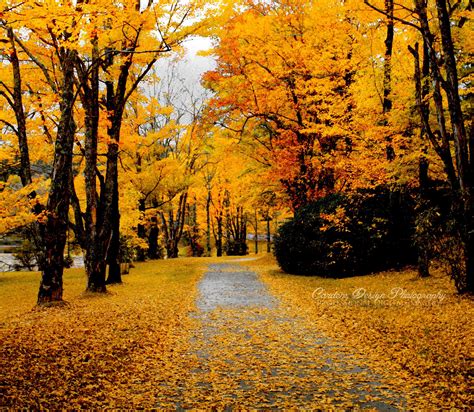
181, 78
193, 65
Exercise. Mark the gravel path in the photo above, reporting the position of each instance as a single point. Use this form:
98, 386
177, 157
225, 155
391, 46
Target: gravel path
251, 353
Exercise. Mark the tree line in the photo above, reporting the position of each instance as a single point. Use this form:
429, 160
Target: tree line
307, 99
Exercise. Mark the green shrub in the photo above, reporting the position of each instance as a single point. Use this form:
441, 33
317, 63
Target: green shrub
341, 235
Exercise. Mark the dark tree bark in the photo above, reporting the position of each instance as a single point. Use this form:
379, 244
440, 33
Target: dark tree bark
208, 222
14, 98
111, 228
421, 92
219, 235
441, 144
461, 176
153, 249
465, 169
192, 234
16, 102
387, 66
94, 247
117, 97
52, 231
424, 91
113, 256
451, 86
256, 231
56, 225
269, 236
173, 226
218, 225
387, 74
141, 232
236, 228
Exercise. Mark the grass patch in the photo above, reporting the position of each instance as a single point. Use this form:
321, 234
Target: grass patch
416, 332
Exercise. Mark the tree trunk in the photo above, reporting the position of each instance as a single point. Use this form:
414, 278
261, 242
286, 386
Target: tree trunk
219, 236
25, 166
153, 251
387, 75
55, 228
172, 250
269, 236
15, 100
469, 253
141, 231
461, 145
424, 258
387, 65
113, 255
111, 226
208, 223
236, 225
173, 227
95, 268
421, 92
256, 232
451, 87
94, 256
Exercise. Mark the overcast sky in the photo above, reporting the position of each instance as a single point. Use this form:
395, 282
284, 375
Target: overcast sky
191, 67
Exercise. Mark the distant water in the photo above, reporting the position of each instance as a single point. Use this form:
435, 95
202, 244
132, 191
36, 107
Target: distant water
8, 261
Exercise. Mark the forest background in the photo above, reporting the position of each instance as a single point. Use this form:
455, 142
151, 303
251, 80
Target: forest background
307, 100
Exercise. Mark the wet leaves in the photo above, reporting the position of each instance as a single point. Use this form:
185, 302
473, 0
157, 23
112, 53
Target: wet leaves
147, 344
419, 342
258, 354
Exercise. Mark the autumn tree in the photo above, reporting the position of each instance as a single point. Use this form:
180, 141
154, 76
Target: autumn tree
291, 69
76, 48
450, 140
56, 34
125, 43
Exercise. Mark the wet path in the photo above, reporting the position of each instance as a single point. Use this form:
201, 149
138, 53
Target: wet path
251, 353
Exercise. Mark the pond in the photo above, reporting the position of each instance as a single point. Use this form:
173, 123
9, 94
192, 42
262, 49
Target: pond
8, 262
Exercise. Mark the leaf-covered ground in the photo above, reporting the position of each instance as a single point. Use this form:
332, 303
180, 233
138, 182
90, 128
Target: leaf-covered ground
252, 353
203, 333
417, 333
116, 350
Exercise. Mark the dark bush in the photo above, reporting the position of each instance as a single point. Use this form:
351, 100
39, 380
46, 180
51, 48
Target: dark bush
236, 247
341, 235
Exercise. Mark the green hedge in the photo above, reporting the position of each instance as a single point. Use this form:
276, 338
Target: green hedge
341, 235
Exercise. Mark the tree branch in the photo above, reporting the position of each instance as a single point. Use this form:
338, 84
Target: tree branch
406, 22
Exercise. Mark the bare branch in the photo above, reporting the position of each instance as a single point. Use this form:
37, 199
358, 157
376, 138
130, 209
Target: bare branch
406, 22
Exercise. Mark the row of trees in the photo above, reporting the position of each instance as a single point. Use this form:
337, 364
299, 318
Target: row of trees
82, 100
70, 72
307, 99
342, 96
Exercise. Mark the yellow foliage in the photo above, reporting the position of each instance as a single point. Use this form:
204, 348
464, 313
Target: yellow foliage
16, 205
